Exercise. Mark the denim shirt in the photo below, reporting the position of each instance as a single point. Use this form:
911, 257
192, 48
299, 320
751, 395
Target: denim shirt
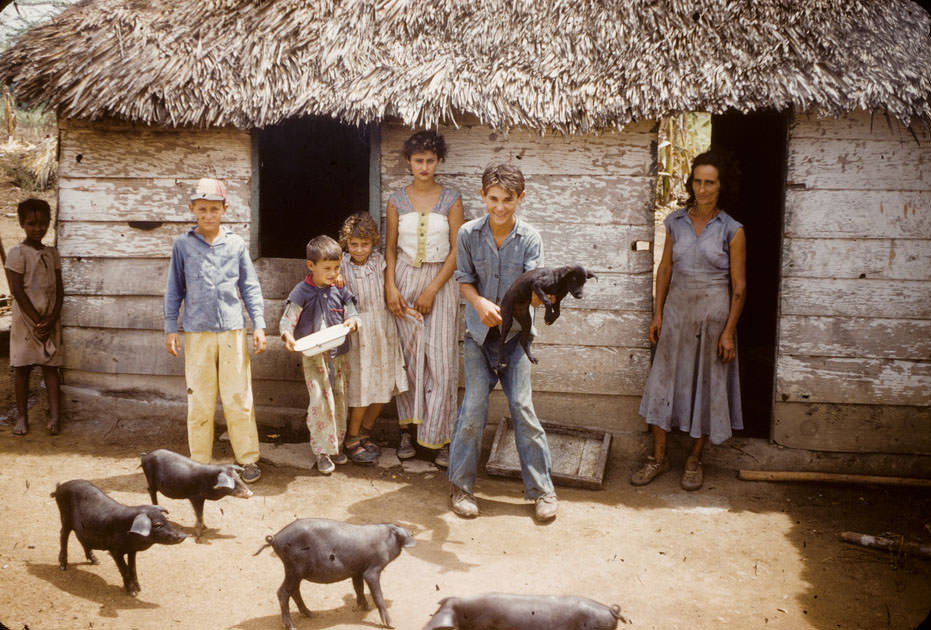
206, 278
492, 271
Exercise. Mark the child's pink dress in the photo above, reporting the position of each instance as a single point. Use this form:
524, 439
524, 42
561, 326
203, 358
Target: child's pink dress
38, 268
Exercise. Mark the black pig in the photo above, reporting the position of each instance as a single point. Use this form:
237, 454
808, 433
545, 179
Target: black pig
180, 477
524, 612
99, 522
542, 282
324, 551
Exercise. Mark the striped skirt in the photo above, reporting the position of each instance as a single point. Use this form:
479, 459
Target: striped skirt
431, 353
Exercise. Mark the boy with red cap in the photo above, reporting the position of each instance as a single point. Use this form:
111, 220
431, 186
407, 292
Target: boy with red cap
210, 268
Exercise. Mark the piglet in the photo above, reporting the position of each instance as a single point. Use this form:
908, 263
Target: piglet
180, 477
524, 612
324, 551
99, 522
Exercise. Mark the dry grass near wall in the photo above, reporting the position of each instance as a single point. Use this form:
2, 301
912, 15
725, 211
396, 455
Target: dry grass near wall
680, 139
29, 156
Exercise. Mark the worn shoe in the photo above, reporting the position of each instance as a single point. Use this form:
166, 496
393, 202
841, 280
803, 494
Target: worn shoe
463, 503
358, 454
692, 476
251, 473
369, 445
325, 465
442, 457
406, 446
546, 508
649, 471
340, 458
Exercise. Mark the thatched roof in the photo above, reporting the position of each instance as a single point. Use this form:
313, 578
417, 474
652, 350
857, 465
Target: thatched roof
565, 64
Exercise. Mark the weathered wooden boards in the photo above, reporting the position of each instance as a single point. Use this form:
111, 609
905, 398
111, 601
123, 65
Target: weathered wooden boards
591, 198
853, 368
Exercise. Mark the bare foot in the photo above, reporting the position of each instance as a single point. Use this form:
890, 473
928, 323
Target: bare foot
22, 427
53, 427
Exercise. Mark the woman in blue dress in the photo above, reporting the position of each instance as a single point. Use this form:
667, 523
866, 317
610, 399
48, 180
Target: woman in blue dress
701, 283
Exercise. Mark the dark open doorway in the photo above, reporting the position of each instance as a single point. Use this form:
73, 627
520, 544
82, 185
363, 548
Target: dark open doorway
313, 173
758, 141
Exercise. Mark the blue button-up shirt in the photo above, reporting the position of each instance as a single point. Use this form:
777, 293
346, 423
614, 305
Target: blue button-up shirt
492, 271
209, 278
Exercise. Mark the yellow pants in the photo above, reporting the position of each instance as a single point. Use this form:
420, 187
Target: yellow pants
212, 362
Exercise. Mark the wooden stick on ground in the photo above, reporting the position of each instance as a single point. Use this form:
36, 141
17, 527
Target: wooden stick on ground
788, 475
889, 544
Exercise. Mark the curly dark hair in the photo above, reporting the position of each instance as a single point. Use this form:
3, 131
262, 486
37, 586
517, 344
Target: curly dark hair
323, 248
28, 206
424, 141
728, 175
360, 225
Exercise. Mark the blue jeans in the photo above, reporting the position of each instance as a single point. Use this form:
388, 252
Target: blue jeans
465, 446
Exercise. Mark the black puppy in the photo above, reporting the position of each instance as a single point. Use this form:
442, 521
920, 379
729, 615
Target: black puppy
545, 281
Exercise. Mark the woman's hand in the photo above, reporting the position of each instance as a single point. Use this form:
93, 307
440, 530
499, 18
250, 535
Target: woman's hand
352, 324
727, 347
394, 300
424, 302
288, 340
488, 312
656, 327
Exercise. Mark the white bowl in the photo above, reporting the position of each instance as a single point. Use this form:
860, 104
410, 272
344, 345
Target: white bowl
322, 340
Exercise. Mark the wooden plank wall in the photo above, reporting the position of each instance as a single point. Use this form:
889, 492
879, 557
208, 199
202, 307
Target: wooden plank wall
853, 369
591, 199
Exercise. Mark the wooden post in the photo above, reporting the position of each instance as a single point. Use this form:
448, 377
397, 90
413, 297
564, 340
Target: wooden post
783, 475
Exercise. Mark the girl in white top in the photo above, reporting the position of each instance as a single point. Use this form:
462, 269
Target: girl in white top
423, 220
376, 366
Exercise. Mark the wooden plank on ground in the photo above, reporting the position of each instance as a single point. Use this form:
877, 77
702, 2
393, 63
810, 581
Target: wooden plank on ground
894, 299
907, 339
894, 259
870, 428
853, 380
149, 199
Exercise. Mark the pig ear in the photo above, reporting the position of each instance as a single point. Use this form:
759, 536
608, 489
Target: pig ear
224, 480
406, 539
142, 525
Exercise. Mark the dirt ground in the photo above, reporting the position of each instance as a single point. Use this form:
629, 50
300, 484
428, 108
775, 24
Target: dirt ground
733, 555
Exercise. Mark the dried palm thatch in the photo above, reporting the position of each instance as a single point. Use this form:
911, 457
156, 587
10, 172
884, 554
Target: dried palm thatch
573, 65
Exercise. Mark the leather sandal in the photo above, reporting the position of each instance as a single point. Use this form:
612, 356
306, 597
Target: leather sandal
692, 476
649, 471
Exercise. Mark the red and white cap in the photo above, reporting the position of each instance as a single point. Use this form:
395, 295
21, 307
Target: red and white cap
209, 189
